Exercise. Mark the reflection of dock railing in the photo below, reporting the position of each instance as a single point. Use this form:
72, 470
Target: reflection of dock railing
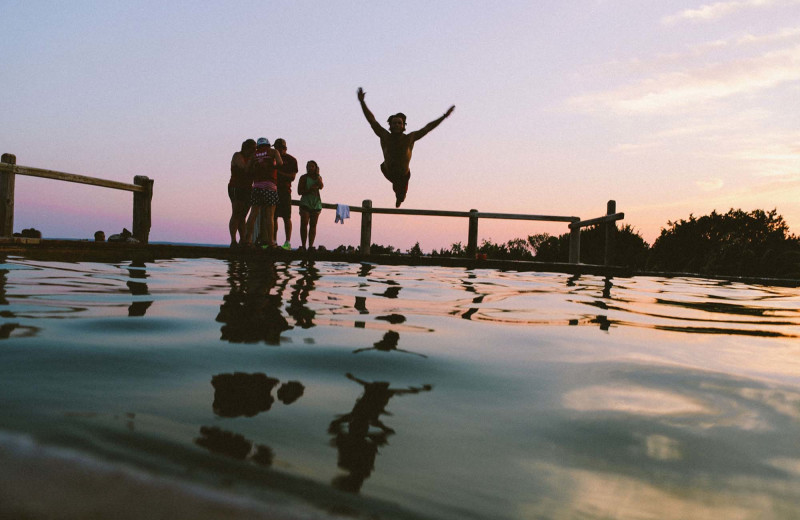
575, 225
142, 189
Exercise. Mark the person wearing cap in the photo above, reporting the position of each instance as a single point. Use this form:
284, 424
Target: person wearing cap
397, 146
263, 170
286, 174
239, 191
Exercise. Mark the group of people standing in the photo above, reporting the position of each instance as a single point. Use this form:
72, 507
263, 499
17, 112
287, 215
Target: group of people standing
260, 190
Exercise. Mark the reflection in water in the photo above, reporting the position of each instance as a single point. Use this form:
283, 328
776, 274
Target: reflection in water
469, 286
357, 445
20, 331
472, 310
290, 392
298, 308
607, 286
394, 319
646, 420
138, 308
242, 394
390, 292
3, 280
603, 321
388, 344
250, 312
670, 432
233, 445
365, 269
361, 305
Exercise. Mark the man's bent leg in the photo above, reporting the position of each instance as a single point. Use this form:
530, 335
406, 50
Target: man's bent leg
400, 187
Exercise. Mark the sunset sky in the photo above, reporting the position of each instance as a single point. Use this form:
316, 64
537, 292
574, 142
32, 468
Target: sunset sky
668, 107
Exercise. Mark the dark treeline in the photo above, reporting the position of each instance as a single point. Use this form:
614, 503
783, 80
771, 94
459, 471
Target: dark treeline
736, 243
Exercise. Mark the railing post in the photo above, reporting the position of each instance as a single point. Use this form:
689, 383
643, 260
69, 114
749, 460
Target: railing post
141, 208
574, 244
7, 180
366, 226
472, 238
611, 232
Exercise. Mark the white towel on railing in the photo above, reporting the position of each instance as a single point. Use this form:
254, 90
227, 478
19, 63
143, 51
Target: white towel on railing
342, 212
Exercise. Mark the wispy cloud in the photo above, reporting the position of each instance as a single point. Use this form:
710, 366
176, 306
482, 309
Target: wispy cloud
676, 90
783, 34
719, 10
712, 184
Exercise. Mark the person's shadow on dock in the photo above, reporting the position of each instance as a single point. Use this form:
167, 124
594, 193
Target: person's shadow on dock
250, 312
357, 435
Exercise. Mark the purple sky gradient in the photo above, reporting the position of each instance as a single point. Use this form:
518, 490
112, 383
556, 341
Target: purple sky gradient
669, 107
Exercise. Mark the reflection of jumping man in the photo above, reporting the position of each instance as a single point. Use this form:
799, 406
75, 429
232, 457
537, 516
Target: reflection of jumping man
357, 445
397, 146
388, 344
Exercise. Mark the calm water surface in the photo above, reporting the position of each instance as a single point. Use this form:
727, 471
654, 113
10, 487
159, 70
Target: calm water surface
249, 389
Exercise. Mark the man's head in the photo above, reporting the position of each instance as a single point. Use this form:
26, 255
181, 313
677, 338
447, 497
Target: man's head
262, 142
397, 123
280, 145
248, 147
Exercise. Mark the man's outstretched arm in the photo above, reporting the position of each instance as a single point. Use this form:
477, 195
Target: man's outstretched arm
419, 134
378, 129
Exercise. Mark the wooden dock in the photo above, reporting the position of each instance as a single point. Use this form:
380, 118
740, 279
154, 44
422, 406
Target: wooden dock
89, 251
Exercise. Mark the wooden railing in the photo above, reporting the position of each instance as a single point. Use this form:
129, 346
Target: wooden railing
575, 225
142, 189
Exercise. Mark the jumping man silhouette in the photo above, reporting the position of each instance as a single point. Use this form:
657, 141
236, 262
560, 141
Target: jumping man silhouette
397, 146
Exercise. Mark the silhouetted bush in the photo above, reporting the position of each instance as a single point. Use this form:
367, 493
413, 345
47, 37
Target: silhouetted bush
736, 243
377, 249
739, 243
630, 249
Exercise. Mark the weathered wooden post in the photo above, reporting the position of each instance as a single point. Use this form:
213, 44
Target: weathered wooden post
472, 238
7, 197
611, 232
141, 208
366, 226
574, 243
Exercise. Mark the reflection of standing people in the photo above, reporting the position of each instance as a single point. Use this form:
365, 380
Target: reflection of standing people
250, 312
298, 304
358, 441
286, 175
263, 169
397, 146
239, 190
310, 203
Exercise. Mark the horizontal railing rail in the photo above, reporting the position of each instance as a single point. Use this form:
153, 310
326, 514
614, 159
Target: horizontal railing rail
142, 189
444, 213
69, 177
575, 224
599, 220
